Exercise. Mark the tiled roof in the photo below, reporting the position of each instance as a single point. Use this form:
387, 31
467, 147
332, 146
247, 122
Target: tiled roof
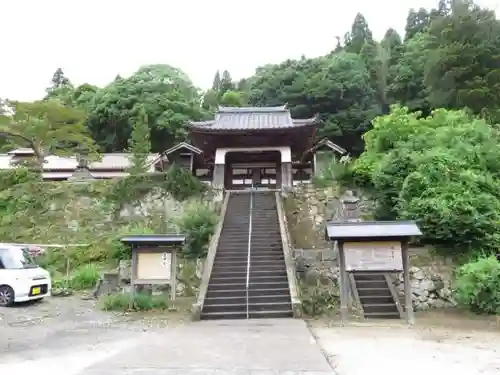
252, 118
117, 161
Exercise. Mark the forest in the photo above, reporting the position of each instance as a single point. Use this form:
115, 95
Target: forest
418, 113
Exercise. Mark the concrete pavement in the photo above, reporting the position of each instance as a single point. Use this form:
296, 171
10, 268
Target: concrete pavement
238, 347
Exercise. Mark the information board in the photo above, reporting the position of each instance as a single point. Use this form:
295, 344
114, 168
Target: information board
157, 266
373, 256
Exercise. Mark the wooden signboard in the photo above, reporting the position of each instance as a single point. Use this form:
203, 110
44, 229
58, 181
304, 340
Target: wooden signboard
154, 266
373, 256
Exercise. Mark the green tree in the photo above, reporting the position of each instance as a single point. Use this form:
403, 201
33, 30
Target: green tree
61, 88
232, 99
416, 22
226, 83
139, 144
463, 69
359, 35
166, 94
406, 78
47, 127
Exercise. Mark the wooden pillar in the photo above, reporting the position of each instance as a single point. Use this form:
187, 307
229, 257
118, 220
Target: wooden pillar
344, 283
410, 318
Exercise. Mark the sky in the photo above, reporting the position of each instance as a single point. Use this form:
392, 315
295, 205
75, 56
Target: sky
93, 41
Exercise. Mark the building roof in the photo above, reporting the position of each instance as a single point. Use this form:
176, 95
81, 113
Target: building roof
325, 142
154, 239
111, 161
370, 230
251, 118
183, 145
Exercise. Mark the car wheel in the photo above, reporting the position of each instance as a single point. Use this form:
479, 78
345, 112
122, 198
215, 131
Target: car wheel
6, 296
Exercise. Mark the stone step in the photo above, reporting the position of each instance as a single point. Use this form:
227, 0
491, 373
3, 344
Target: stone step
252, 307
275, 266
254, 272
366, 276
255, 261
242, 276
223, 258
251, 315
251, 292
374, 300
388, 315
380, 308
232, 300
363, 284
370, 292
254, 285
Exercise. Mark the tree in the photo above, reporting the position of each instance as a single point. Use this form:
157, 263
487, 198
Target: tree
226, 83
232, 99
47, 127
416, 22
441, 170
406, 78
463, 69
60, 89
359, 35
216, 83
166, 94
139, 144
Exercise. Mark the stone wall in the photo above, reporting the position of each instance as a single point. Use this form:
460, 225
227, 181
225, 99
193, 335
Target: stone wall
309, 208
430, 279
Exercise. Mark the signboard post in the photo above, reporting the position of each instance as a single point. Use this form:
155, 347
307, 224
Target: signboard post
372, 246
154, 260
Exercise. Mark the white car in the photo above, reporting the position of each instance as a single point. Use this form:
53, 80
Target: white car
21, 279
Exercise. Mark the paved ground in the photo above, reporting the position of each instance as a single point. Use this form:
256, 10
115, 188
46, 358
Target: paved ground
440, 343
71, 337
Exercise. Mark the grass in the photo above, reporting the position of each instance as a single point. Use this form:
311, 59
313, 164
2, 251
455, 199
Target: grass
141, 302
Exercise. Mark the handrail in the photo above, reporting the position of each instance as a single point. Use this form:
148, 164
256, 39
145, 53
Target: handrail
209, 261
249, 246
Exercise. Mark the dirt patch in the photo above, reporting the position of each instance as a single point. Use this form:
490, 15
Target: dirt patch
441, 341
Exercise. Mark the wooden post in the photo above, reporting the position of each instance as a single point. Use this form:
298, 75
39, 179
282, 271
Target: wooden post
410, 318
173, 275
344, 286
133, 277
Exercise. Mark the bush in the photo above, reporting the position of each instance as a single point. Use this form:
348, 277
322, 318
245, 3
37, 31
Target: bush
334, 171
84, 277
477, 286
319, 299
16, 176
198, 224
142, 302
442, 171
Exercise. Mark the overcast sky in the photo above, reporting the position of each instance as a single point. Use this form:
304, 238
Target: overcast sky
93, 41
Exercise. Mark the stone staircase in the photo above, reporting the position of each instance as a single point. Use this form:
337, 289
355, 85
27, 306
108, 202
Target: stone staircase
267, 294
375, 296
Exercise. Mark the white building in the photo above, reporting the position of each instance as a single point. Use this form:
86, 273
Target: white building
58, 168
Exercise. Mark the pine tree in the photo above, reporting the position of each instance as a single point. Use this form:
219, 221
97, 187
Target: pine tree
139, 144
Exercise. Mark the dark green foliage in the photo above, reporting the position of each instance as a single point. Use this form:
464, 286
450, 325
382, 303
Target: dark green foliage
198, 223
442, 170
477, 286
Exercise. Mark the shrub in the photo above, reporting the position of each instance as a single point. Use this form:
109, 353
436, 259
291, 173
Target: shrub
477, 286
142, 302
198, 223
16, 176
319, 299
84, 277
